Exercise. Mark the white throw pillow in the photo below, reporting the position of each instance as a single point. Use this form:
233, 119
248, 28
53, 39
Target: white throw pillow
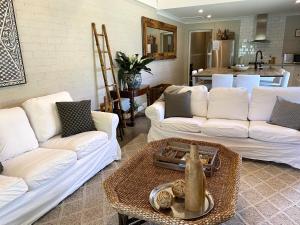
264, 98
198, 99
228, 103
16, 134
43, 115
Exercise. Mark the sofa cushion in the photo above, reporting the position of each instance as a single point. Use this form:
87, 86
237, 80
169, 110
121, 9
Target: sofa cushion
262, 131
226, 128
263, 100
183, 124
83, 143
75, 117
43, 116
178, 105
11, 188
286, 114
198, 99
39, 166
228, 103
16, 134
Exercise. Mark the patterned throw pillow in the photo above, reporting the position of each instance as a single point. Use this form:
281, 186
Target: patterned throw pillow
1, 168
286, 114
178, 105
75, 117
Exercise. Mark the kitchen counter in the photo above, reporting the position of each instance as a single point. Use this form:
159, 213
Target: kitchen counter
266, 72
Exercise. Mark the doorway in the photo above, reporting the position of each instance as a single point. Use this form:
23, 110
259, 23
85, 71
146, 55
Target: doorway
200, 51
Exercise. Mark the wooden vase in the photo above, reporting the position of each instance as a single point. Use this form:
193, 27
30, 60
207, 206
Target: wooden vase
195, 182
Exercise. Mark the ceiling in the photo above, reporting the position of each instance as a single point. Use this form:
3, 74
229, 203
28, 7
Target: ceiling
186, 11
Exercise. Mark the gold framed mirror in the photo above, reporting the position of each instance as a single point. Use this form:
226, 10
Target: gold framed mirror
159, 39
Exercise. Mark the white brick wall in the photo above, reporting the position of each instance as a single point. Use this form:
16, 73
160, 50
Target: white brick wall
275, 33
57, 45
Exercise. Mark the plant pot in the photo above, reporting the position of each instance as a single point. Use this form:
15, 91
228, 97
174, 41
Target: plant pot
133, 81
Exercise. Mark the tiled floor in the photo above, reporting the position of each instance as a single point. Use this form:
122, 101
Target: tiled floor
269, 194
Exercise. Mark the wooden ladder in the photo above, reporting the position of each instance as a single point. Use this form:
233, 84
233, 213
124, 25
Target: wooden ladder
110, 104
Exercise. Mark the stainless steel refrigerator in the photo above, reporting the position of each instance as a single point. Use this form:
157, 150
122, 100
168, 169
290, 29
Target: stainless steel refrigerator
207, 53
222, 53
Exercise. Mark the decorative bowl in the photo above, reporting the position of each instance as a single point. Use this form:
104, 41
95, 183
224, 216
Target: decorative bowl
239, 68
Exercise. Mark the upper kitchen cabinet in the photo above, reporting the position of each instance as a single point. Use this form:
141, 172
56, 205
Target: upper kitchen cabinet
159, 39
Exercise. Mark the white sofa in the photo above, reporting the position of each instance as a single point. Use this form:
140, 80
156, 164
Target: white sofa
230, 117
40, 167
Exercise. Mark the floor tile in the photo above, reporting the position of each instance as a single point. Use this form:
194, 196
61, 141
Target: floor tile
281, 219
251, 216
294, 213
267, 209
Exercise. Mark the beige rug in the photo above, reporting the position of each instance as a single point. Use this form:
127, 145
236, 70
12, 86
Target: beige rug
269, 194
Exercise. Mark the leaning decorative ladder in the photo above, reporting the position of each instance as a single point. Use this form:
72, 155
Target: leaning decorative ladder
110, 104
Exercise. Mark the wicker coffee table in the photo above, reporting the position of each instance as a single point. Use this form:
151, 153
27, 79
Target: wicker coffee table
129, 187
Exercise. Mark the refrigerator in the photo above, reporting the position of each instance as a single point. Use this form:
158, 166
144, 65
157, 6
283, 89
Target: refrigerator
222, 53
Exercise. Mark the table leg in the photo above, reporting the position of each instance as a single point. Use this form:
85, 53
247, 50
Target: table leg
123, 219
131, 101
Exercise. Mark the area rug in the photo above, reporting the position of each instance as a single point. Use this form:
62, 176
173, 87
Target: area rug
269, 194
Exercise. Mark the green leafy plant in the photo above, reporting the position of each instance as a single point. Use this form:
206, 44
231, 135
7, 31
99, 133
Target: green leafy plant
132, 64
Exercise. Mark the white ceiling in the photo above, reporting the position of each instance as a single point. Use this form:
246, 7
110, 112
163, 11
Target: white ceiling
187, 10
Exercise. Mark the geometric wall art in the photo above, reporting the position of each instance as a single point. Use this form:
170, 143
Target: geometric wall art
11, 64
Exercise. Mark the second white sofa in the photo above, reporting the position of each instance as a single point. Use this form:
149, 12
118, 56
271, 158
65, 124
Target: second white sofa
230, 117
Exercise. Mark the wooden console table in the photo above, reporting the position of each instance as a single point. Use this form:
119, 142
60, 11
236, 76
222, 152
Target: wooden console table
131, 94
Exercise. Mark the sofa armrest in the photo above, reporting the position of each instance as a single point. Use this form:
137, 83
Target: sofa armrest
106, 122
156, 111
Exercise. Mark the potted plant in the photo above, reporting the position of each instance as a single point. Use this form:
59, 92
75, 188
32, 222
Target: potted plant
130, 68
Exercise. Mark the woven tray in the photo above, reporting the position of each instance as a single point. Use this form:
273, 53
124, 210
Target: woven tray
173, 156
129, 187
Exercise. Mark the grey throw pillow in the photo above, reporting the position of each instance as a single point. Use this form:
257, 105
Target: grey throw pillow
286, 114
75, 117
178, 105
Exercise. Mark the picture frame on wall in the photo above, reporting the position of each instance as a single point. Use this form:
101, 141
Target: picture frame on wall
297, 33
12, 70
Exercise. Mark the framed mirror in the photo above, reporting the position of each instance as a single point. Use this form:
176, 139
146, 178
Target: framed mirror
159, 39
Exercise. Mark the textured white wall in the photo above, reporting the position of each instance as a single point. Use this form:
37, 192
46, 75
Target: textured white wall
275, 33
57, 45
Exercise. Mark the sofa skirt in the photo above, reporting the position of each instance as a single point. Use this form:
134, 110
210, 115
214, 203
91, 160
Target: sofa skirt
246, 147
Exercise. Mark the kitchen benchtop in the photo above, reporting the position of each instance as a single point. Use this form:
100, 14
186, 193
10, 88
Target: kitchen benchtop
266, 72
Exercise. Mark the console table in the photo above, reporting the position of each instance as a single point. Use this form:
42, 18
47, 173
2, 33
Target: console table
131, 94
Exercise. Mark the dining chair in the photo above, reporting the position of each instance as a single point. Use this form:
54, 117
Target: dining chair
222, 80
278, 81
248, 82
285, 79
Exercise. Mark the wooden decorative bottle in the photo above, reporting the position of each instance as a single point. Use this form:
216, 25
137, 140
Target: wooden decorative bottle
195, 182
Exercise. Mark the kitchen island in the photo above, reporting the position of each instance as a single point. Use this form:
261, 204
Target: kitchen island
266, 72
